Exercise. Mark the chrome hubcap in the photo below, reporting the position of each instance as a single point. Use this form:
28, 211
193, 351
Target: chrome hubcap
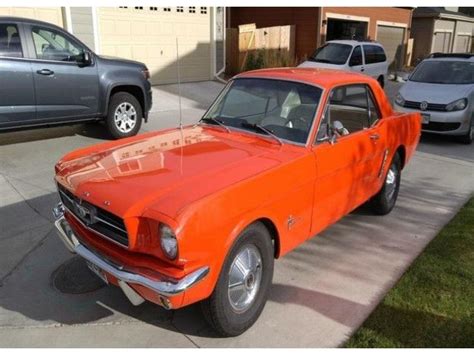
391, 182
245, 276
125, 117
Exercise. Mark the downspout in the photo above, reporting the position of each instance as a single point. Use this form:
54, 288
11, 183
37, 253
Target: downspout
224, 27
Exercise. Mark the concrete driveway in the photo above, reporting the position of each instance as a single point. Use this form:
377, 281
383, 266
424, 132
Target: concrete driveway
321, 293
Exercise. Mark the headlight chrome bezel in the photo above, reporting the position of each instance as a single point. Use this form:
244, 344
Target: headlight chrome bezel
168, 241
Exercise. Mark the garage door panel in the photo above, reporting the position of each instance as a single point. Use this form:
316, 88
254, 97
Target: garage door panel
150, 37
48, 14
392, 39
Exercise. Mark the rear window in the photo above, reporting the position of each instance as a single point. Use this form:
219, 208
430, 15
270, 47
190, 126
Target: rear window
444, 72
10, 43
374, 54
332, 53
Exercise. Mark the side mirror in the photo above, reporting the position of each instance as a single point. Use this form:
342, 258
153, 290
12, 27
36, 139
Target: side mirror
84, 59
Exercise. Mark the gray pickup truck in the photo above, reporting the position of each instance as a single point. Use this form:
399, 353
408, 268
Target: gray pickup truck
47, 76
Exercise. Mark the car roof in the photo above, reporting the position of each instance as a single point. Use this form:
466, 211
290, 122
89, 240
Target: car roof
26, 20
353, 42
452, 58
324, 78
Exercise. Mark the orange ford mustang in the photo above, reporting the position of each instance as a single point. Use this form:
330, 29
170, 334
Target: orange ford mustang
199, 213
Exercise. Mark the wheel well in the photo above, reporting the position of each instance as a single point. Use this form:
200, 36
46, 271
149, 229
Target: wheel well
132, 90
402, 152
274, 234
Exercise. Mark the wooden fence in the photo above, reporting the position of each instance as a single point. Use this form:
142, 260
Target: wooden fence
248, 47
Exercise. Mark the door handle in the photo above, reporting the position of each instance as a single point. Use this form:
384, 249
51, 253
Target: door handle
374, 136
45, 72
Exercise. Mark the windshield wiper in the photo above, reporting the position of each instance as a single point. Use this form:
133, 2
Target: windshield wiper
215, 120
262, 129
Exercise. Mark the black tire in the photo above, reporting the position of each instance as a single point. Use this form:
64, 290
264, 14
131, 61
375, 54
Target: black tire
468, 138
218, 308
130, 101
381, 81
382, 203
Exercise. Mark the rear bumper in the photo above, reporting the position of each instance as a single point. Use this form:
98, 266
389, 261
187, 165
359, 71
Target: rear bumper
125, 278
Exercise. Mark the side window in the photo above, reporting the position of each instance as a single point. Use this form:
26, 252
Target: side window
10, 42
380, 54
353, 107
356, 57
374, 54
52, 45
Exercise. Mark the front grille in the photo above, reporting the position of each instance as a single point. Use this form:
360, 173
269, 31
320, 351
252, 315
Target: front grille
441, 126
95, 218
431, 107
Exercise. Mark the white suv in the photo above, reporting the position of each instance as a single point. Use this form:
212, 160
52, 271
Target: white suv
364, 57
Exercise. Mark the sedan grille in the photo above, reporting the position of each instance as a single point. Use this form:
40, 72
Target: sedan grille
431, 107
105, 223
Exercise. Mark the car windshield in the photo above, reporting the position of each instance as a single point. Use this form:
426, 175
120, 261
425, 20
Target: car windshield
444, 72
281, 109
332, 53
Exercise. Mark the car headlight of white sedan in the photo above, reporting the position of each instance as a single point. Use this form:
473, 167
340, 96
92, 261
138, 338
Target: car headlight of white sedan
457, 105
399, 100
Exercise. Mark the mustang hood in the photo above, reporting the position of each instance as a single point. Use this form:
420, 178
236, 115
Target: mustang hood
434, 93
167, 170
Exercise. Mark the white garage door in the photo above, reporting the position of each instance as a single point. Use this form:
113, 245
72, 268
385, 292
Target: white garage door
392, 39
463, 44
441, 42
148, 34
48, 14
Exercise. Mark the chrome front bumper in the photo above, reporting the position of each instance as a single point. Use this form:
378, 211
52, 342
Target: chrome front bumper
161, 287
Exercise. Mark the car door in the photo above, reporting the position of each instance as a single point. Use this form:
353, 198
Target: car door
356, 61
374, 61
348, 159
64, 88
17, 96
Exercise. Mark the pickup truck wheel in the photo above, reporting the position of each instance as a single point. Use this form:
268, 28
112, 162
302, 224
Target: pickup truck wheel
124, 117
384, 201
468, 138
242, 288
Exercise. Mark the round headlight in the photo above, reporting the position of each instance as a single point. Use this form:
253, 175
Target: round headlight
168, 241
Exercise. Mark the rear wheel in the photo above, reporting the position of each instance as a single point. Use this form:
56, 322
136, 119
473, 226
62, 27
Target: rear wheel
384, 201
468, 138
242, 288
125, 115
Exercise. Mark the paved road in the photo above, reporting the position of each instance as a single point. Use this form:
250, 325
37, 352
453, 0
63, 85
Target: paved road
322, 291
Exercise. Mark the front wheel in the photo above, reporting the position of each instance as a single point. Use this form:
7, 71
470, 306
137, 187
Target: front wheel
384, 201
242, 288
124, 117
468, 138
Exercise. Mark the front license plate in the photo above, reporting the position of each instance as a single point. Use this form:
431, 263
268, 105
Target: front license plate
425, 118
98, 271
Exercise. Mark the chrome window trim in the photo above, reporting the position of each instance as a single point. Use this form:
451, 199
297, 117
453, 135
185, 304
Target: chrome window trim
328, 99
316, 112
